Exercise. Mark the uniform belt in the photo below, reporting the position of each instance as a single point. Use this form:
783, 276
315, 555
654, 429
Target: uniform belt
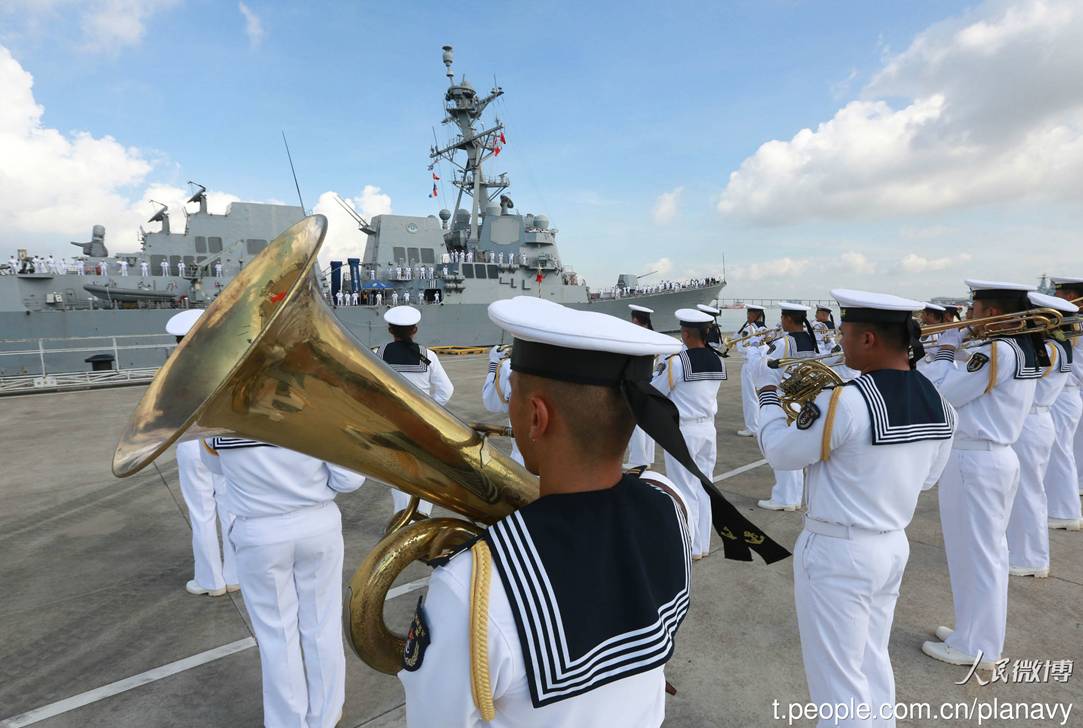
837, 530
695, 420
1039, 409
975, 445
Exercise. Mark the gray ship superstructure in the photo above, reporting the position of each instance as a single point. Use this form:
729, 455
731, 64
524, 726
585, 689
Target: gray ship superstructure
56, 315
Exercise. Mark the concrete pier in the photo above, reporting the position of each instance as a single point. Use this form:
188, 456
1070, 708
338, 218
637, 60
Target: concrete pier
97, 630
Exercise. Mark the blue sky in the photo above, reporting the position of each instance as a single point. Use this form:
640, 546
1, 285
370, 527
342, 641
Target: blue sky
608, 106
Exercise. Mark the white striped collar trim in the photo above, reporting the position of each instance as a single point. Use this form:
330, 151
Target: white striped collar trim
885, 433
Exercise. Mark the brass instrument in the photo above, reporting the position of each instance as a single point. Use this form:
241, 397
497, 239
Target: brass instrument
1031, 321
268, 360
805, 379
729, 342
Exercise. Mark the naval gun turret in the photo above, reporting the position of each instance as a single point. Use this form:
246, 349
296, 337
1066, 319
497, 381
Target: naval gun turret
95, 248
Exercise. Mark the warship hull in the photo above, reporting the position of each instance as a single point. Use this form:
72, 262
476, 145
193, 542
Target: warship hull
26, 337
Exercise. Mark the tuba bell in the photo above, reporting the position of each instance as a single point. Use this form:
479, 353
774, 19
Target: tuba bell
269, 361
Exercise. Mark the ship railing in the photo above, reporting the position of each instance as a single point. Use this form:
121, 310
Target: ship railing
49, 376
30, 383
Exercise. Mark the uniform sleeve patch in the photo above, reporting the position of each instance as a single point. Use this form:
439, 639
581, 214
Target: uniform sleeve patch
417, 639
976, 362
808, 416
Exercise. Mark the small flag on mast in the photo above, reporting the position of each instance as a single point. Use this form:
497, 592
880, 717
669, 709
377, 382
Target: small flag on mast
502, 139
435, 177
434, 191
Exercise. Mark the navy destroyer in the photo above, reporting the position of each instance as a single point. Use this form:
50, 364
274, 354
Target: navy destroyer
55, 312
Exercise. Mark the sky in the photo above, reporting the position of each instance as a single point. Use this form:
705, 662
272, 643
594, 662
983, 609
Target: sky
899, 147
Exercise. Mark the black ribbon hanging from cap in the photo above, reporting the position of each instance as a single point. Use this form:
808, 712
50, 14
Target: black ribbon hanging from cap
659, 418
917, 349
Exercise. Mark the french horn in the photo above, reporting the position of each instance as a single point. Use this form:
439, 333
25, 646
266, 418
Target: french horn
269, 361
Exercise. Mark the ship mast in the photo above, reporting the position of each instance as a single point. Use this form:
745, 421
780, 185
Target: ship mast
463, 108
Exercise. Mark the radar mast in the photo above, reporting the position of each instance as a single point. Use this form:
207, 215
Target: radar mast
463, 108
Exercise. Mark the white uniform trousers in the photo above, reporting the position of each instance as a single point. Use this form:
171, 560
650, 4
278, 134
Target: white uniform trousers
750, 402
225, 523
700, 438
845, 591
197, 485
290, 567
400, 500
976, 494
1062, 478
640, 449
789, 487
1028, 527
1078, 449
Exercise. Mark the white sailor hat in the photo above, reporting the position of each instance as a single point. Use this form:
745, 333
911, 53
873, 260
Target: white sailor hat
788, 306
868, 307
755, 307
930, 306
641, 309
180, 324
997, 289
708, 309
821, 307
693, 317
537, 321
1058, 304
402, 316
1066, 282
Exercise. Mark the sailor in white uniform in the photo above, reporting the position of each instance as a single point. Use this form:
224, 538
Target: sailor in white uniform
993, 394
496, 391
640, 446
1062, 480
144, 269
418, 365
690, 379
288, 536
181, 268
799, 342
598, 655
123, 265
871, 446
165, 267
205, 496
714, 333
824, 327
218, 270
752, 349
1028, 527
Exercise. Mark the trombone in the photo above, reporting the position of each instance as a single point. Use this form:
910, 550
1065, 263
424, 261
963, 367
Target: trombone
1031, 321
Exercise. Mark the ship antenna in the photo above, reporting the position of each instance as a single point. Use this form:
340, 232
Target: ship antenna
293, 171
448, 58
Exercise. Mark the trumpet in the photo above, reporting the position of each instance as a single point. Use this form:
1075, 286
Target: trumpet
730, 341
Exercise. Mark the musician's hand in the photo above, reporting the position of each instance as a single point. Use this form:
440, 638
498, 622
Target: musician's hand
951, 337
763, 375
495, 355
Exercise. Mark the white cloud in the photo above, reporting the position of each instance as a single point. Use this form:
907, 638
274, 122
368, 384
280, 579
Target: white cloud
858, 263
992, 111
661, 267
778, 268
344, 239
666, 206
253, 26
55, 186
106, 26
914, 263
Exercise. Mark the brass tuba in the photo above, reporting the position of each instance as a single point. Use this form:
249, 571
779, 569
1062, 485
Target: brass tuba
268, 360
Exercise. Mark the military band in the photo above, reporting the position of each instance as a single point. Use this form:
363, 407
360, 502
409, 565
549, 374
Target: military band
987, 408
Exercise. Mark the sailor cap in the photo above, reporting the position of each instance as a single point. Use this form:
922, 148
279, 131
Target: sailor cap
869, 307
402, 316
821, 307
1065, 281
708, 309
1058, 304
532, 319
755, 307
788, 306
997, 289
641, 309
180, 324
929, 306
692, 317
